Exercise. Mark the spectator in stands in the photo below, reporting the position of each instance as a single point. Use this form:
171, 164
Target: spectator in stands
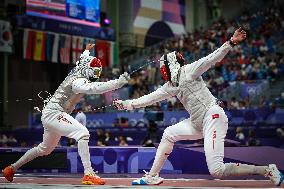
234, 103
263, 102
152, 136
126, 138
11, 140
122, 141
248, 102
240, 136
280, 101
123, 122
116, 122
107, 138
252, 141
3, 139
120, 122
100, 142
100, 135
280, 132
280, 136
242, 105
148, 143
71, 142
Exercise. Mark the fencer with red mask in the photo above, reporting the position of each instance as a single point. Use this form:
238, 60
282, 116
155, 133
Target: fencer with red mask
207, 119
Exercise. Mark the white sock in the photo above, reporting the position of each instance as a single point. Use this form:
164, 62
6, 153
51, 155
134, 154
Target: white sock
83, 149
27, 157
237, 169
163, 151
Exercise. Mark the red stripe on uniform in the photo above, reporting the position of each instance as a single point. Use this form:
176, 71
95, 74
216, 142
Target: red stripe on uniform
215, 116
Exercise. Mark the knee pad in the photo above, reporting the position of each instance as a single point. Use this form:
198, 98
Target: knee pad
217, 170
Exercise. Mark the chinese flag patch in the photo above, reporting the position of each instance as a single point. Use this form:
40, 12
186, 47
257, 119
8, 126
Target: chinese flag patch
215, 116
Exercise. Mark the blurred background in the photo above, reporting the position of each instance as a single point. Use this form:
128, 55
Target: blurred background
40, 41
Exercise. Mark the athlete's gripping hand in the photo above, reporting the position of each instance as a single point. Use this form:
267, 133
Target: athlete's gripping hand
123, 79
89, 46
122, 105
238, 36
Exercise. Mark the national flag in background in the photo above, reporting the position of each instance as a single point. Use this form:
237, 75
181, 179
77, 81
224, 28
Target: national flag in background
6, 37
113, 54
64, 48
39, 46
51, 50
28, 43
89, 41
103, 52
77, 48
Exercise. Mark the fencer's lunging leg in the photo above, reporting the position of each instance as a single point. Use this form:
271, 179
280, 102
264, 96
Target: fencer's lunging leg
50, 141
180, 131
163, 151
83, 149
67, 126
214, 130
220, 170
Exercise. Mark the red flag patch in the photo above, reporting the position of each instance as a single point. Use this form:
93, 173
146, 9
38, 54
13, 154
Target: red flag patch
215, 116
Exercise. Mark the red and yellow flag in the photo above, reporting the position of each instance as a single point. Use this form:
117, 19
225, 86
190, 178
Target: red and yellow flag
39, 46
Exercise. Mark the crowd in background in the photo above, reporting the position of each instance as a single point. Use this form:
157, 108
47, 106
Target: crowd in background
257, 58
251, 138
6, 141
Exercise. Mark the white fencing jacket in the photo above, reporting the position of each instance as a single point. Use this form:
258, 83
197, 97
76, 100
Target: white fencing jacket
74, 87
192, 91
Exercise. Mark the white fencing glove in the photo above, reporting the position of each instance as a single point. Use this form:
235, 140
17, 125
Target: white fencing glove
123, 79
122, 105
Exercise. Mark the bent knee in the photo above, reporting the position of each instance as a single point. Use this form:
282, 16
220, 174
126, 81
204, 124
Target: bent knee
217, 171
44, 151
168, 135
80, 134
84, 135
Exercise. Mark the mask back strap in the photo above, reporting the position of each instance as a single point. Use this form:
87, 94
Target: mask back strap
166, 62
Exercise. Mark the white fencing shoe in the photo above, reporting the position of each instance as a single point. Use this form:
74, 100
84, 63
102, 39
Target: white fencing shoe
274, 175
148, 179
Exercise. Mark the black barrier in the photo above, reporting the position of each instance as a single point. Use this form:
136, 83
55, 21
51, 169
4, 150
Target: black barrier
56, 160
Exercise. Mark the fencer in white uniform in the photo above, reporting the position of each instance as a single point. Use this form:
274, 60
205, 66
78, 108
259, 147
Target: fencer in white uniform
56, 119
207, 119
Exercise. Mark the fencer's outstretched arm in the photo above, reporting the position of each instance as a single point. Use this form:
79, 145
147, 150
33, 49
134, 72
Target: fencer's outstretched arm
82, 85
200, 66
86, 52
162, 93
